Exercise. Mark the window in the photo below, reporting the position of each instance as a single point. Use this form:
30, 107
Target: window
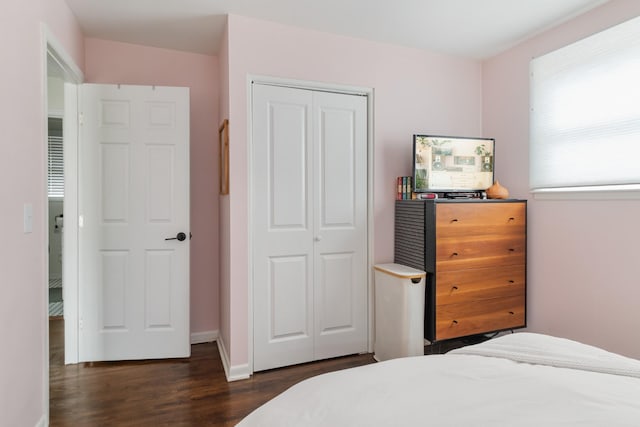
55, 167
585, 113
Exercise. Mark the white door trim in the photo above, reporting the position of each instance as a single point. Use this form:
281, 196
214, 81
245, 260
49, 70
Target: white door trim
310, 85
72, 74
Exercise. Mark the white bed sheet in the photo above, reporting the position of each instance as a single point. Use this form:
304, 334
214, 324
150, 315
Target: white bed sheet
521, 379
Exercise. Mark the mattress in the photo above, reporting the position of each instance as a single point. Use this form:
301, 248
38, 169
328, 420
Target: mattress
521, 379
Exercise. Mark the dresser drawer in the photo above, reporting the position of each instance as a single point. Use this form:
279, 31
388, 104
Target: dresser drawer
459, 286
480, 251
465, 219
459, 320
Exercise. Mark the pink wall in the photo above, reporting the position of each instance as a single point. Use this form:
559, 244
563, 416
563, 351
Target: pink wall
583, 255
23, 316
114, 62
415, 91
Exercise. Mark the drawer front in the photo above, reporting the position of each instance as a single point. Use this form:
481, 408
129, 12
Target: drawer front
479, 251
459, 320
467, 219
460, 286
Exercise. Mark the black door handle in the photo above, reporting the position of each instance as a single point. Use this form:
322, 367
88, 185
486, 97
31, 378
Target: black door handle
179, 237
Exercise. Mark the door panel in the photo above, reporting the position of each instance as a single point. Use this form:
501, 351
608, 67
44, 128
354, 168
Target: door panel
133, 194
309, 225
287, 165
161, 171
114, 286
288, 307
335, 305
114, 179
282, 239
340, 193
158, 288
337, 152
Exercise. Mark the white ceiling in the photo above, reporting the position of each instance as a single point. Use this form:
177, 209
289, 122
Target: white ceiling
469, 28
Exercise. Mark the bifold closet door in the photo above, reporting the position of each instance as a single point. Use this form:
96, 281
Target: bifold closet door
309, 191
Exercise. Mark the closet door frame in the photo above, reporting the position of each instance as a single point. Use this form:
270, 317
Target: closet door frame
317, 86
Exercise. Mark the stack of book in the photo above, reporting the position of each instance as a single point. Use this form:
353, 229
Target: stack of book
405, 188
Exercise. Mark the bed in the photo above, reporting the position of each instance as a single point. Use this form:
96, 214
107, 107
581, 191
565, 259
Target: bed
521, 379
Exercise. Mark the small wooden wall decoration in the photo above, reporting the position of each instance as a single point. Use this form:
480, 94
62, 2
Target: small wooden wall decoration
223, 133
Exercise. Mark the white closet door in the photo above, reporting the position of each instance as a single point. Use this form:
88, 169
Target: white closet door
309, 225
340, 227
283, 227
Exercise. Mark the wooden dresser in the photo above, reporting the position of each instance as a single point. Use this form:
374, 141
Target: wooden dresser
475, 254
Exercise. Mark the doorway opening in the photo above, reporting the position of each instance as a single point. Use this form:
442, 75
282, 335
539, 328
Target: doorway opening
60, 77
55, 193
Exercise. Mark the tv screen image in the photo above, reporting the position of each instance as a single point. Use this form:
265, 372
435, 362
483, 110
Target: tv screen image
452, 163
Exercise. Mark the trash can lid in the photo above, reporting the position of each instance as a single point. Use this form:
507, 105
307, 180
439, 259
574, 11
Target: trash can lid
400, 270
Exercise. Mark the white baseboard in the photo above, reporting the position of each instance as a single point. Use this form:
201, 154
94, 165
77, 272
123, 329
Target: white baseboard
42, 422
233, 373
239, 372
202, 337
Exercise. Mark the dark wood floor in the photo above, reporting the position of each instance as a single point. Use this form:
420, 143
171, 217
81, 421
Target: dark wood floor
180, 392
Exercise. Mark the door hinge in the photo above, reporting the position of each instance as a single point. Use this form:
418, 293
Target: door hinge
81, 323
80, 119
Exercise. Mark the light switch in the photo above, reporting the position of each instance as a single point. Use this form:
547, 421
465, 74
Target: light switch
28, 218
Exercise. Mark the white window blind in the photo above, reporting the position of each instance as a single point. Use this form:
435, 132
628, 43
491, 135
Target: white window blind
585, 112
55, 167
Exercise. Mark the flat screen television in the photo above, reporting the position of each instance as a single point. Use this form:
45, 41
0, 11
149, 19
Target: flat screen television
452, 163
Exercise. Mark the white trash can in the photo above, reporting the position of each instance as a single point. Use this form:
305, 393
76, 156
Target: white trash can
399, 316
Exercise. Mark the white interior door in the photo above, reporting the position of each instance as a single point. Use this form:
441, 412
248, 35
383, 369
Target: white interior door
309, 225
133, 195
340, 224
